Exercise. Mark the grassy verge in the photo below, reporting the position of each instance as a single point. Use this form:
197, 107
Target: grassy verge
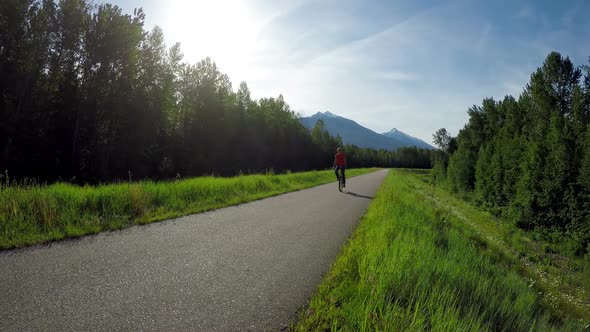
36, 214
413, 264
562, 281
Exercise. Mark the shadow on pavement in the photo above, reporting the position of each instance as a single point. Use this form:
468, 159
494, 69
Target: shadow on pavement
357, 195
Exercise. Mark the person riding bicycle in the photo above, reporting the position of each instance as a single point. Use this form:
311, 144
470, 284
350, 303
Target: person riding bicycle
340, 164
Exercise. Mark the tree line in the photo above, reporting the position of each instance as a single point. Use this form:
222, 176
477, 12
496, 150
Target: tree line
87, 94
405, 157
528, 158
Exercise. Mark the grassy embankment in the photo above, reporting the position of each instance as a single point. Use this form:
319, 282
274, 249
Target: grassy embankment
36, 214
417, 262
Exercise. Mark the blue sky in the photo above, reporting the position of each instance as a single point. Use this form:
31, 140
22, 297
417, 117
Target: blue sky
413, 65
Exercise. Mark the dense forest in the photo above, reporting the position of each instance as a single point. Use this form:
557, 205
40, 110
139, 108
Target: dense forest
87, 94
528, 159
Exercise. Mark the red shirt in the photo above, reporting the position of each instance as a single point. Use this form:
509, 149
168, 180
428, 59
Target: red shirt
340, 159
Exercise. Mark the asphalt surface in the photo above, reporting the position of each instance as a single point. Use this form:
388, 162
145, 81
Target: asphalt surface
249, 267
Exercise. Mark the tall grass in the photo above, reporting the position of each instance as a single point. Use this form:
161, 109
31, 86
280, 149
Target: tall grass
31, 214
411, 266
563, 281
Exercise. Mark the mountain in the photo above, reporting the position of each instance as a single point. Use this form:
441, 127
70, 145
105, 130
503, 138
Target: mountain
353, 133
407, 139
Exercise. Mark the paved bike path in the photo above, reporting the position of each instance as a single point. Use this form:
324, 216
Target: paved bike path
246, 267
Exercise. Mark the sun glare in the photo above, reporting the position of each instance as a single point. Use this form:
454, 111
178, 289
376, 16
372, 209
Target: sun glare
222, 29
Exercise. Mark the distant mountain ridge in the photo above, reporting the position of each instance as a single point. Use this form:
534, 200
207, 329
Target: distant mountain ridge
407, 139
353, 133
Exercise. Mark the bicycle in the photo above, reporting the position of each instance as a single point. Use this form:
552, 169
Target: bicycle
340, 179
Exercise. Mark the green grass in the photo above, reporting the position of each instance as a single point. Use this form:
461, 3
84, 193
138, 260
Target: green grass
36, 214
563, 281
414, 265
